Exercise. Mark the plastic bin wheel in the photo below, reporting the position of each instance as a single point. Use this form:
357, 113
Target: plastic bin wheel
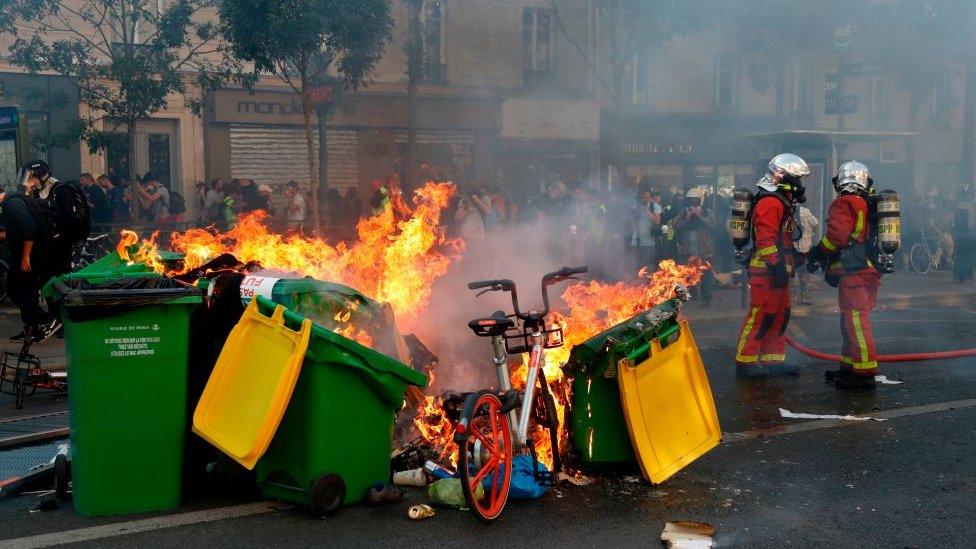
62, 477
327, 494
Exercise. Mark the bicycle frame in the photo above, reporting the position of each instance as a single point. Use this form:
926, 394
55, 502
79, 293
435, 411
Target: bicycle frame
519, 421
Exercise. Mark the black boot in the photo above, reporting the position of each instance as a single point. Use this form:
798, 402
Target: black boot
846, 380
782, 369
751, 371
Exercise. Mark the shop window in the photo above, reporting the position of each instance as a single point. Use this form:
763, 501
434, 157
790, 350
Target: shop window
117, 154
537, 43
725, 82
432, 21
941, 102
637, 79
879, 99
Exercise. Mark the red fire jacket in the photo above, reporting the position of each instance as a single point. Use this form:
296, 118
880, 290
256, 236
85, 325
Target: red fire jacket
772, 229
847, 225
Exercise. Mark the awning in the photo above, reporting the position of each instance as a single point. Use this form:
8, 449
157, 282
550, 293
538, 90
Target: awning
826, 137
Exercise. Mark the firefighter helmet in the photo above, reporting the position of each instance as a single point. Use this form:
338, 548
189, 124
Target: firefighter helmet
785, 173
853, 177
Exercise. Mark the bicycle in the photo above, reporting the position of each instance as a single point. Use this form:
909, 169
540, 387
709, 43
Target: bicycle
491, 429
90, 250
922, 257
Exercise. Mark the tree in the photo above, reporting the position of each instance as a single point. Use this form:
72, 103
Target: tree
302, 41
125, 56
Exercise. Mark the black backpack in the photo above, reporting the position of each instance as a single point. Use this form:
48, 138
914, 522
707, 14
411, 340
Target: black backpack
45, 218
73, 217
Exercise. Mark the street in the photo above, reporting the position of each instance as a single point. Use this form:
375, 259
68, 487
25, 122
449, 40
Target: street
905, 482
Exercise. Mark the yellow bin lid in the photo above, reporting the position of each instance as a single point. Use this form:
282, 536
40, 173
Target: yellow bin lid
668, 407
251, 384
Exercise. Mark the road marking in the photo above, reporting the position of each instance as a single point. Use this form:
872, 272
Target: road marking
144, 525
787, 429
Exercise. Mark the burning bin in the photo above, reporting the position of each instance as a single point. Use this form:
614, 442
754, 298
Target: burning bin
335, 438
127, 342
597, 424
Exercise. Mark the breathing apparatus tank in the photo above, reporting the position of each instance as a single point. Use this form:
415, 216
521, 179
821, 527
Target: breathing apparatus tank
887, 210
740, 221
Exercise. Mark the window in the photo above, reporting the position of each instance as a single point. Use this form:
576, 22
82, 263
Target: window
433, 24
941, 101
537, 40
879, 98
637, 79
725, 82
800, 80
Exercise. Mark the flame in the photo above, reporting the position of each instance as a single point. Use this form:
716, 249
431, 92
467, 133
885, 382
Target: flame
592, 307
395, 259
432, 424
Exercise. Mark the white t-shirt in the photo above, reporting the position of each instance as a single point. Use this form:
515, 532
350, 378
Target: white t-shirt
298, 209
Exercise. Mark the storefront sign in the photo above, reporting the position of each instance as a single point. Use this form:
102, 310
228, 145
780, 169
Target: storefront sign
9, 118
551, 119
658, 149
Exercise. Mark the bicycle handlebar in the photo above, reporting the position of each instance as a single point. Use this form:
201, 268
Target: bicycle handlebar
507, 285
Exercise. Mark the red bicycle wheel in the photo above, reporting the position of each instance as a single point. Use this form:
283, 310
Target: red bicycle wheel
486, 454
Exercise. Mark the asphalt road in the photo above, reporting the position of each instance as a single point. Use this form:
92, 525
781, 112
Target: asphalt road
906, 482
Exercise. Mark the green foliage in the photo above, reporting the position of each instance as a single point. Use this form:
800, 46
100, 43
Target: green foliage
125, 56
295, 39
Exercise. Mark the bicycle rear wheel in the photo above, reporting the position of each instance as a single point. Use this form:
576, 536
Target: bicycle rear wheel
485, 461
920, 259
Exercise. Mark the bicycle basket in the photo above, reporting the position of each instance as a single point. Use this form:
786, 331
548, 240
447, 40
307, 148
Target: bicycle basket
520, 341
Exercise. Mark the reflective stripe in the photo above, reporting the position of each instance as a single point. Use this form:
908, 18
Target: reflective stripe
828, 244
856, 320
772, 358
742, 359
766, 251
869, 365
756, 262
858, 226
744, 336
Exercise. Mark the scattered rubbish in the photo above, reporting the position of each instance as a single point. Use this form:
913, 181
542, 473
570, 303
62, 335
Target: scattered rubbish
380, 494
448, 492
686, 534
630, 479
524, 484
794, 415
885, 381
437, 471
577, 480
413, 477
420, 512
657, 493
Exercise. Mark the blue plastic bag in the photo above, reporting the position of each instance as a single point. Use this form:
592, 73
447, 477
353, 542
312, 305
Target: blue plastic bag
523, 484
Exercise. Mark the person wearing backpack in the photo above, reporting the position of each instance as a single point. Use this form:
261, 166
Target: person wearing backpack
29, 244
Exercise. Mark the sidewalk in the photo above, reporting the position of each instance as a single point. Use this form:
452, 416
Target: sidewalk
899, 291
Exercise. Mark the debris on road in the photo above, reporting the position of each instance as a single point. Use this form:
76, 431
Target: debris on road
412, 477
885, 381
795, 415
420, 512
687, 534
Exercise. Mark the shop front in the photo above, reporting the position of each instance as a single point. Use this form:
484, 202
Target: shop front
261, 136
545, 140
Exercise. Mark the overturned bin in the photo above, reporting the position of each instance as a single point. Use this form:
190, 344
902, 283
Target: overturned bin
330, 436
641, 396
127, 343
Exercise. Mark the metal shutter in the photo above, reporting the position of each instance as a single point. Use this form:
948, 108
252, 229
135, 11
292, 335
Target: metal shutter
277, 154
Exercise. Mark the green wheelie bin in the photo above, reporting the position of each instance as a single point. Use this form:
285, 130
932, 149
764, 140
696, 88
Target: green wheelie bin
335, 438
127, 344
598, 430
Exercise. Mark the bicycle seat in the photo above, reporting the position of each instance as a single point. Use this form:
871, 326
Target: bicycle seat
494, 325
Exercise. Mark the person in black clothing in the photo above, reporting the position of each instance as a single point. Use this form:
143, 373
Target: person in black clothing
26, 250
101, 209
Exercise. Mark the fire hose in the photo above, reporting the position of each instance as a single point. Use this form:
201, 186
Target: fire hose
911, 357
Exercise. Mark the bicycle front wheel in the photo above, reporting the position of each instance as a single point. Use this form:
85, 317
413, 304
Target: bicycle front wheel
485, 461
921, 259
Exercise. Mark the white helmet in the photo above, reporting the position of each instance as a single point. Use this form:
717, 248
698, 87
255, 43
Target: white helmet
785, 172
853, 177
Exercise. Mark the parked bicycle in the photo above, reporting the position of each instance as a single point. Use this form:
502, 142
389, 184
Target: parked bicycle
91, 250
492, 428
926, 256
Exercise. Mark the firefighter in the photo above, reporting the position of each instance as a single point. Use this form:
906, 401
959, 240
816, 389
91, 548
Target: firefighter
846, 254
761, 347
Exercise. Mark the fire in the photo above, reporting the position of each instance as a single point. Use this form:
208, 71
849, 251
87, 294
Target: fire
396, 258
432, 424
590, 308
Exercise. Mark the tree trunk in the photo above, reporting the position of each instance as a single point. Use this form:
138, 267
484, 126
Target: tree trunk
130, 133
414, 74
313, 176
